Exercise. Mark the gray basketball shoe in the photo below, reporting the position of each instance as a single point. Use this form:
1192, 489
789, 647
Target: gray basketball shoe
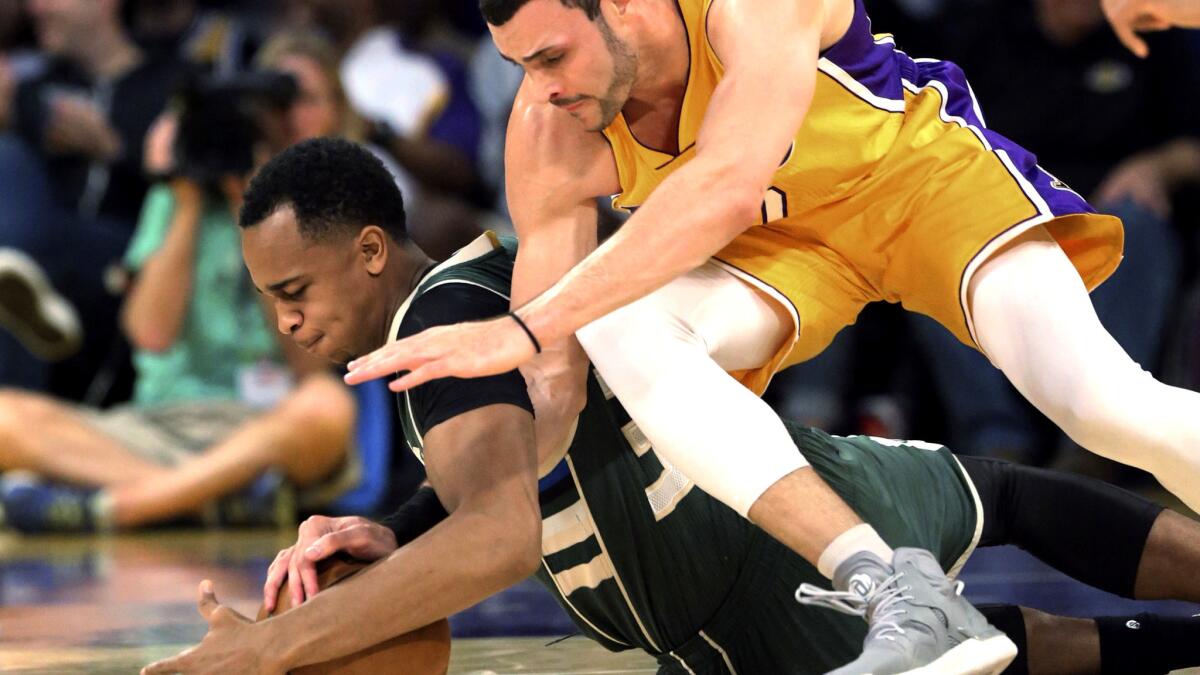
919, 621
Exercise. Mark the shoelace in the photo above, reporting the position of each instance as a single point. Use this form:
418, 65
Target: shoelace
882, 604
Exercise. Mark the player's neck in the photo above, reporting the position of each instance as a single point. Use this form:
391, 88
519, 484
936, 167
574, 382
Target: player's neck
404, 278
656, 97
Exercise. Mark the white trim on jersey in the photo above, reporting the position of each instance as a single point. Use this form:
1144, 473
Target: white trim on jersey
565, 529
578, 613
952, 573
721, 651
604, 552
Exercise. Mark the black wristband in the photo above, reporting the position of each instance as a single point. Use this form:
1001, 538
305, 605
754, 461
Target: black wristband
537, 346
416, 516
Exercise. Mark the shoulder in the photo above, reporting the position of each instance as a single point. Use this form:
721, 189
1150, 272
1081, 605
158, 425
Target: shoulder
450, 302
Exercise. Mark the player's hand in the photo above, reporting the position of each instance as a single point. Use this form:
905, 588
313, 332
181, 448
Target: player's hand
230, 646
1141, 180
1128, 17
320, 537
465, 350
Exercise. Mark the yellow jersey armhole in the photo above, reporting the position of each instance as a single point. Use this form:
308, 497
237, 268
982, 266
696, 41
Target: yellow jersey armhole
708, 48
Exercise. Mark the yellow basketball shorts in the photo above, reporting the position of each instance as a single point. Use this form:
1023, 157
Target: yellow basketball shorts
948, 195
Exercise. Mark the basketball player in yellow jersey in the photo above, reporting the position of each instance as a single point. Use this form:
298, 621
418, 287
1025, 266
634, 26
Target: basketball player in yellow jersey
820, 168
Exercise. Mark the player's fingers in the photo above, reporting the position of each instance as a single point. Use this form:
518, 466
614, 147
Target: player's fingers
328, 545
295, 584
308, 578
430, 371
357, 540
1123, 26
384, 353
276, 573
206, 600
382, 366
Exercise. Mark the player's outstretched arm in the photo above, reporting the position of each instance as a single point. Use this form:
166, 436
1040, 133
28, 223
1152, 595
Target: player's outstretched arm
554, 169
1128, 17
483, 466
770, 54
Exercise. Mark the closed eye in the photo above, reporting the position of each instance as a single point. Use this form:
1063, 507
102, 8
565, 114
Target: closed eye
294, 295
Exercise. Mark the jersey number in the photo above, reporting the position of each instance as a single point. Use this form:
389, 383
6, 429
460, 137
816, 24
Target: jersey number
774, 206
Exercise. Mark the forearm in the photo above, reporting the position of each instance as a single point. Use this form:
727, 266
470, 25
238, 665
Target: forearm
468, 557
154, 312
690, 217
557, 377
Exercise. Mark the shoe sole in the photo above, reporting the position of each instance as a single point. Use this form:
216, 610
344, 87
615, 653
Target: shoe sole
988, 656
37, 315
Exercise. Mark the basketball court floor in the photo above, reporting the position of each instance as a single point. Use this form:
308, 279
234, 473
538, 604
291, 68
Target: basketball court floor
113, 604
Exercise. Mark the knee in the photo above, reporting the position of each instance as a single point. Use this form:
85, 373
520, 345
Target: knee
634, 334
23, 410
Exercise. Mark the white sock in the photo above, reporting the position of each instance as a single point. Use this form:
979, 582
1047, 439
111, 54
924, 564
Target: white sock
859, 538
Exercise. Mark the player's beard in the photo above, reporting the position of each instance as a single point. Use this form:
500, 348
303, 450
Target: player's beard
625, 65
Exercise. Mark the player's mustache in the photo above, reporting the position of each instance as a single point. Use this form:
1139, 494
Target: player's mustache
563, 102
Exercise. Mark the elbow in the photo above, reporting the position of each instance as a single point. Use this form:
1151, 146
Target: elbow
526, 557
743, 209
147, 337
735, 200
523, 548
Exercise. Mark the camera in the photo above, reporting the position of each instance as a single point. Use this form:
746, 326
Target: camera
223, 119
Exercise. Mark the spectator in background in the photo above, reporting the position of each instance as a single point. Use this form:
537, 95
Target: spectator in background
184, 29
1121, 131
213, 407
71, 185
415, 96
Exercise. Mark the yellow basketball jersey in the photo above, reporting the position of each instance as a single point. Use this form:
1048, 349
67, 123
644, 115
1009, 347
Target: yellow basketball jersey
892, 189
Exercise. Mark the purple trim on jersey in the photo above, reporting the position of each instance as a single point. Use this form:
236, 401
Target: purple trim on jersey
873, 65
883, 70
960, 103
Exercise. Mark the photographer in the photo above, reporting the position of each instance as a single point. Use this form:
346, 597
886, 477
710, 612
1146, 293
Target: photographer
213, 405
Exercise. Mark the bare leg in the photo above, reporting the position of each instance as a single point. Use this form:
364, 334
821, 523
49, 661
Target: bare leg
1060, 645
1035, 322
1170, 560
305, 437
42, 435
803, 513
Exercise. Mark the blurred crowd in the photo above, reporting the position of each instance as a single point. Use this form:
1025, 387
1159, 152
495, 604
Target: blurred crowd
142, 380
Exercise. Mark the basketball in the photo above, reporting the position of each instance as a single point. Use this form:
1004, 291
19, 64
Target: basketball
425, 651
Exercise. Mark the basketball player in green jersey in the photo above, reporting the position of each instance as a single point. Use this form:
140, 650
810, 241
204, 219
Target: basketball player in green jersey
637, 554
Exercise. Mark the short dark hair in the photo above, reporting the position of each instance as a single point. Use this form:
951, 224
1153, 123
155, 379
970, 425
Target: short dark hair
498, 12
334, 186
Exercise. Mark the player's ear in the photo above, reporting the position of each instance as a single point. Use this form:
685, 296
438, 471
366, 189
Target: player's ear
373, 249
618, 6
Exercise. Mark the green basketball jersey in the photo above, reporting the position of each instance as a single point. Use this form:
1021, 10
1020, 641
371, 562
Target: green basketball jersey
642, 558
